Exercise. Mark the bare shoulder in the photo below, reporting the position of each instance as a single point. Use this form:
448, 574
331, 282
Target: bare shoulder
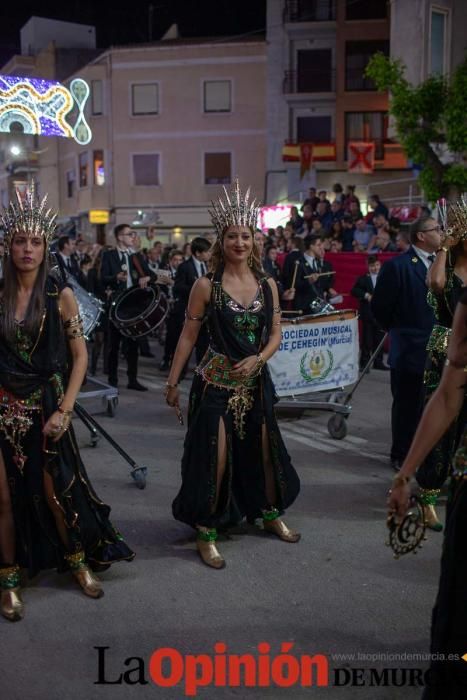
67, 302
202, 287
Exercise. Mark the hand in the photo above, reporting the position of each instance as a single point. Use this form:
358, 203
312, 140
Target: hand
449, 239
143, 282
399, 500
313, 278
172, 396
368, 296
245, 367
289, 294
121, 276
56, 426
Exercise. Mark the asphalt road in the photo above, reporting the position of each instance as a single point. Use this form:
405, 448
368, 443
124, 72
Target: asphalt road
337, 592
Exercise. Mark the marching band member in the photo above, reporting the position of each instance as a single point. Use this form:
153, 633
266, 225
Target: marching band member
119, 271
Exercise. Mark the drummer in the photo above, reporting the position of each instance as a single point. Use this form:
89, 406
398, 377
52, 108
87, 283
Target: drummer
119, 272
306, 276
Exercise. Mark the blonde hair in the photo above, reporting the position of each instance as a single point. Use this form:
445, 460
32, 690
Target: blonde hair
217, 254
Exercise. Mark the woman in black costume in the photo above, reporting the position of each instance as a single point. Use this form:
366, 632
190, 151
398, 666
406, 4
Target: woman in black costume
50, 515
448, 676
235, 463
446, 277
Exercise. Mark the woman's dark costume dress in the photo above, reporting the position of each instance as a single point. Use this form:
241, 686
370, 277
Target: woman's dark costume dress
32, 376
448, 680
434, 471
235, 333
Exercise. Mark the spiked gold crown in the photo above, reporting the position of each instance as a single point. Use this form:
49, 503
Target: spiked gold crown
28, 215
453, 217
235, 209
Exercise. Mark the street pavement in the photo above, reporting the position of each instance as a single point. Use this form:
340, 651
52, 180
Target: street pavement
337, 592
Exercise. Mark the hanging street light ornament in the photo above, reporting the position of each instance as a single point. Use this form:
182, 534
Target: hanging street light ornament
41, 107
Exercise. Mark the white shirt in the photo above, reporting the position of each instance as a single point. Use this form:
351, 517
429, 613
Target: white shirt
126, 262
199, 266
311, 260
423, 255
373, 279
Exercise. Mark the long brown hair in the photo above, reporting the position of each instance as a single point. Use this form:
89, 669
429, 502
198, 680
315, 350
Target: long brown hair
33, 316
217, 254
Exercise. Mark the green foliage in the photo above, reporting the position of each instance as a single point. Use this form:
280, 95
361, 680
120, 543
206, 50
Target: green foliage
425, 116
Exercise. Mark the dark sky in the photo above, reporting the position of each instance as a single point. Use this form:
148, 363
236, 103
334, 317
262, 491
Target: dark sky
126, 21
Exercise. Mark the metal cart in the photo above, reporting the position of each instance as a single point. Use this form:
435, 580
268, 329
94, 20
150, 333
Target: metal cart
338, 399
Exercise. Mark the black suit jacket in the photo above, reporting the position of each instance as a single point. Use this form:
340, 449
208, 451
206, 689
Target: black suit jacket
400, 306
110, 267
305, 291
185, 278
364, 285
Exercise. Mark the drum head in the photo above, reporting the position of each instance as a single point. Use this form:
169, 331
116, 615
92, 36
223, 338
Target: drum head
134, 303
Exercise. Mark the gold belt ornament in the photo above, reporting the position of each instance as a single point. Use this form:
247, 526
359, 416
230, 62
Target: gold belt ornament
216, 370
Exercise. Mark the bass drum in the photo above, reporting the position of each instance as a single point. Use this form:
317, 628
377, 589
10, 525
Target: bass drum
137, 312
90, 307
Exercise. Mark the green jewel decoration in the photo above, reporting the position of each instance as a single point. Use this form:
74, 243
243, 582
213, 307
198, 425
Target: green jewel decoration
9, 577
270, 514
207, 535
429, 497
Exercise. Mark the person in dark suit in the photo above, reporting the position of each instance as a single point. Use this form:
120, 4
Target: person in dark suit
187, 274
119, 272
173, 330
372, 334
399, 304
306, 281
67, 259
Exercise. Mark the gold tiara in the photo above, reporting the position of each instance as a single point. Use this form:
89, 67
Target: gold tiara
28, 215
235, 209
453, 217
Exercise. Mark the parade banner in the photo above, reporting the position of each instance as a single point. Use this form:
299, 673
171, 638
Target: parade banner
316, 355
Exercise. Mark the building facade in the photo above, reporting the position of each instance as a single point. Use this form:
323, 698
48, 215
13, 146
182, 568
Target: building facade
172, 122
317, 93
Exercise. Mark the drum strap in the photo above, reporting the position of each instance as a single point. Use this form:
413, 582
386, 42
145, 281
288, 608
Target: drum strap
137, 264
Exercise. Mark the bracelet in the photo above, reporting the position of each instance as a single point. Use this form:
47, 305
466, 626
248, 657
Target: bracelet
64, 411
400, 480
443, 248
171, 386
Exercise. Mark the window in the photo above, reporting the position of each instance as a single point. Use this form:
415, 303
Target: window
367, 126
366, 9
310, 10
83, 169
217, 168
217, 96
70, 183
438, 42
96, 97
145, 99
314, 70
98, 167
314, 129
146, 169
357, 55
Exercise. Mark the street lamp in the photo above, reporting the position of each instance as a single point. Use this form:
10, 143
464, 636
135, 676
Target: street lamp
15, 150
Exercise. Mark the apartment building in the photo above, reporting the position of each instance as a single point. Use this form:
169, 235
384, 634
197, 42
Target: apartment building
317, 93
172, 121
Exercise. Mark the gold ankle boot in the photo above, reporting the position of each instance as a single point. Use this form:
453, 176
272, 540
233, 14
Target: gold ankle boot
90, 584
431, 519
279, 528
429, 498
206, 545
11, 605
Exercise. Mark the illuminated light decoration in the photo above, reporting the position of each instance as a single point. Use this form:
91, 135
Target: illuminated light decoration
41, 106
270, 217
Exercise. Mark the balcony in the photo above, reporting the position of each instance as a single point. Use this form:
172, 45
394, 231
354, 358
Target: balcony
310, 11
309, 81
23, 165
